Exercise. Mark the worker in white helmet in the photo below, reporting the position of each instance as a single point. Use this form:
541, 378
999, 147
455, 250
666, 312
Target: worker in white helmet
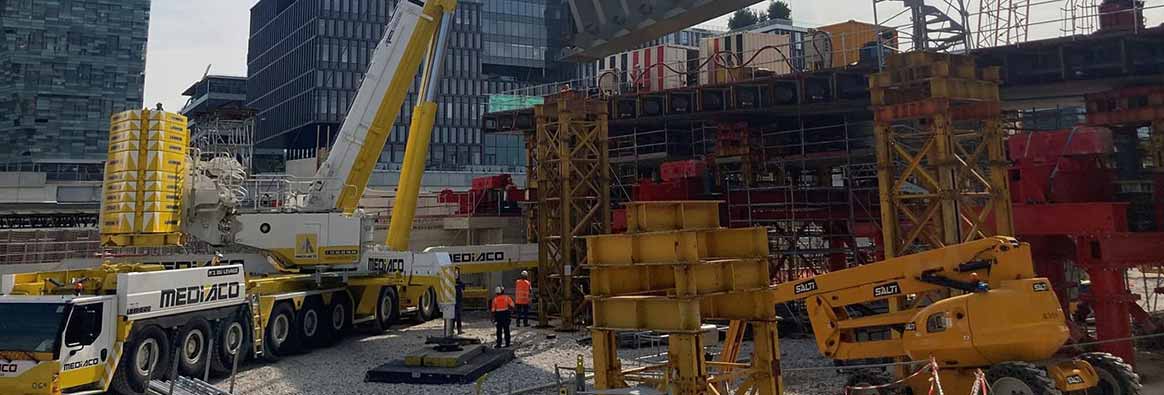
500, 307
523, 298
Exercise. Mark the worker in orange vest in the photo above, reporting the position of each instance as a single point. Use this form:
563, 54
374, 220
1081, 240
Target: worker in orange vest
523, 299
501, 306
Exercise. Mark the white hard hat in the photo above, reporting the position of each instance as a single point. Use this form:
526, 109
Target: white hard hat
499, 290
524, 273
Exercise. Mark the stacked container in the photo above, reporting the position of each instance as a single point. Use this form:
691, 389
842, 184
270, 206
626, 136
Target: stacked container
144, 178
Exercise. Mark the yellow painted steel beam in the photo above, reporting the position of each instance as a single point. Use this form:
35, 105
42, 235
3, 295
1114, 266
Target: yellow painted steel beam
683, 279
646, 312
767, 379
607, 366
677, 246
656, 216
688, 370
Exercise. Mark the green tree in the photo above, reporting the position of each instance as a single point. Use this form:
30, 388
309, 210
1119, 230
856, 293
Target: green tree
778, 9
744, 17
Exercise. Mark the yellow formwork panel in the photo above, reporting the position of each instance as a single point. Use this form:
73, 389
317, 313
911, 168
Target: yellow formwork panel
671, 215
168, 206
165, 176
677, 246
646, 312
681, 279
161, 186
125, 146
938, 88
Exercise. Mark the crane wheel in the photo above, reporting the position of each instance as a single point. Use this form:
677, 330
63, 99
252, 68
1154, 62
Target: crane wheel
1116, 377
387, 309
230, 340
193, 347
870, 378
313, 325
146, 357
339, 317
428, 306
280, 337
1020, 378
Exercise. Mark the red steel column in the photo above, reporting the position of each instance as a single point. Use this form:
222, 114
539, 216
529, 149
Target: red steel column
1109, 299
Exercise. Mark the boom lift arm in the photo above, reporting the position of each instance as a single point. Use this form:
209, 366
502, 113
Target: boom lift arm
344, 175
992, 270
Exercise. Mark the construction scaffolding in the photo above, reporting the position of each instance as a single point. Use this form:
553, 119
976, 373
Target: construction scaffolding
941, 163
573, 195
230, 135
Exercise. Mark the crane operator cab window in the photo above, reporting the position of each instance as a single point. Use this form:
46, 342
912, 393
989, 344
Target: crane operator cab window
84, 325
938, 322
37, 331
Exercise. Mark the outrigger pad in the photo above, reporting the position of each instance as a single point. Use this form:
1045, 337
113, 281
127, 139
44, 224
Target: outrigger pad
485, 360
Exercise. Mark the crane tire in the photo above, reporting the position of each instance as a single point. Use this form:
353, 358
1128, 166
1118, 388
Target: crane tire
1116, 377
1020, 378
280, 337
387, 310
131, 378
232, 337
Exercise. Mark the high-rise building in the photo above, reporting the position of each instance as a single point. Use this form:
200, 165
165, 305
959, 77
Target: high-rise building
65, 67
307, 58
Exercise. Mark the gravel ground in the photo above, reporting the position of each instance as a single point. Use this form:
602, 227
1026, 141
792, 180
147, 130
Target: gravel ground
340, 369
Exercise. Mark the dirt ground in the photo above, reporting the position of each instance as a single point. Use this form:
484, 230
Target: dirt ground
1150, 366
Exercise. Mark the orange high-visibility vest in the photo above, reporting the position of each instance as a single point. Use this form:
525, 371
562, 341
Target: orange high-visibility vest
522, 291
501, 303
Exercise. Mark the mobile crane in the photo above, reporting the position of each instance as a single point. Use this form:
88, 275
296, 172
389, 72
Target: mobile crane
115, 327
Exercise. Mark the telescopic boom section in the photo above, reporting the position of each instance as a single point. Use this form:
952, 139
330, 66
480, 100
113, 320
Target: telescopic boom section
416, 29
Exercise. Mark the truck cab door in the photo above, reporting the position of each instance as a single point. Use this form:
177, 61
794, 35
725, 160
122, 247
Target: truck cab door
87, 352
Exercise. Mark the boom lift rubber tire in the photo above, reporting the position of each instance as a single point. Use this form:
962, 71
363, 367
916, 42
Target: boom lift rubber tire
312, 325
193, 344
148, 348
868, 378
1020, 378
427, 309
280, 337
232, 337
339, 317
1116, 377
387, 309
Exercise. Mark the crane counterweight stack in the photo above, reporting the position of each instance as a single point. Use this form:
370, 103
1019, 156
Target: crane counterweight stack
145, 179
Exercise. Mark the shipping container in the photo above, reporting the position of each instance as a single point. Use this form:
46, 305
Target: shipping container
743, 56
849, 37
650, 69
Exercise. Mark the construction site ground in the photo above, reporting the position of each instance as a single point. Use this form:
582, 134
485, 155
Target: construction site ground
340, 369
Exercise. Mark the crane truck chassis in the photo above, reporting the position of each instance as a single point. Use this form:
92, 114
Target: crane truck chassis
118, 326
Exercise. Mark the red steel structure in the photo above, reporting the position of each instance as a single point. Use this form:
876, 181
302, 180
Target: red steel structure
1067, 205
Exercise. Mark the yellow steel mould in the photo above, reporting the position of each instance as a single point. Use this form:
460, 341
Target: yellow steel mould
683, 279
677, 246
948, 88
674, 315
922, 58
680, 314
753, 305
672, 215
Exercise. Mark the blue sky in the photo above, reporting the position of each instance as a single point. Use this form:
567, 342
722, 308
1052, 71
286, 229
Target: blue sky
188, 36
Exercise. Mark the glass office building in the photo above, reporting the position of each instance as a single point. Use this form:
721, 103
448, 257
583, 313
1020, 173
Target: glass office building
307, 57
65, 67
